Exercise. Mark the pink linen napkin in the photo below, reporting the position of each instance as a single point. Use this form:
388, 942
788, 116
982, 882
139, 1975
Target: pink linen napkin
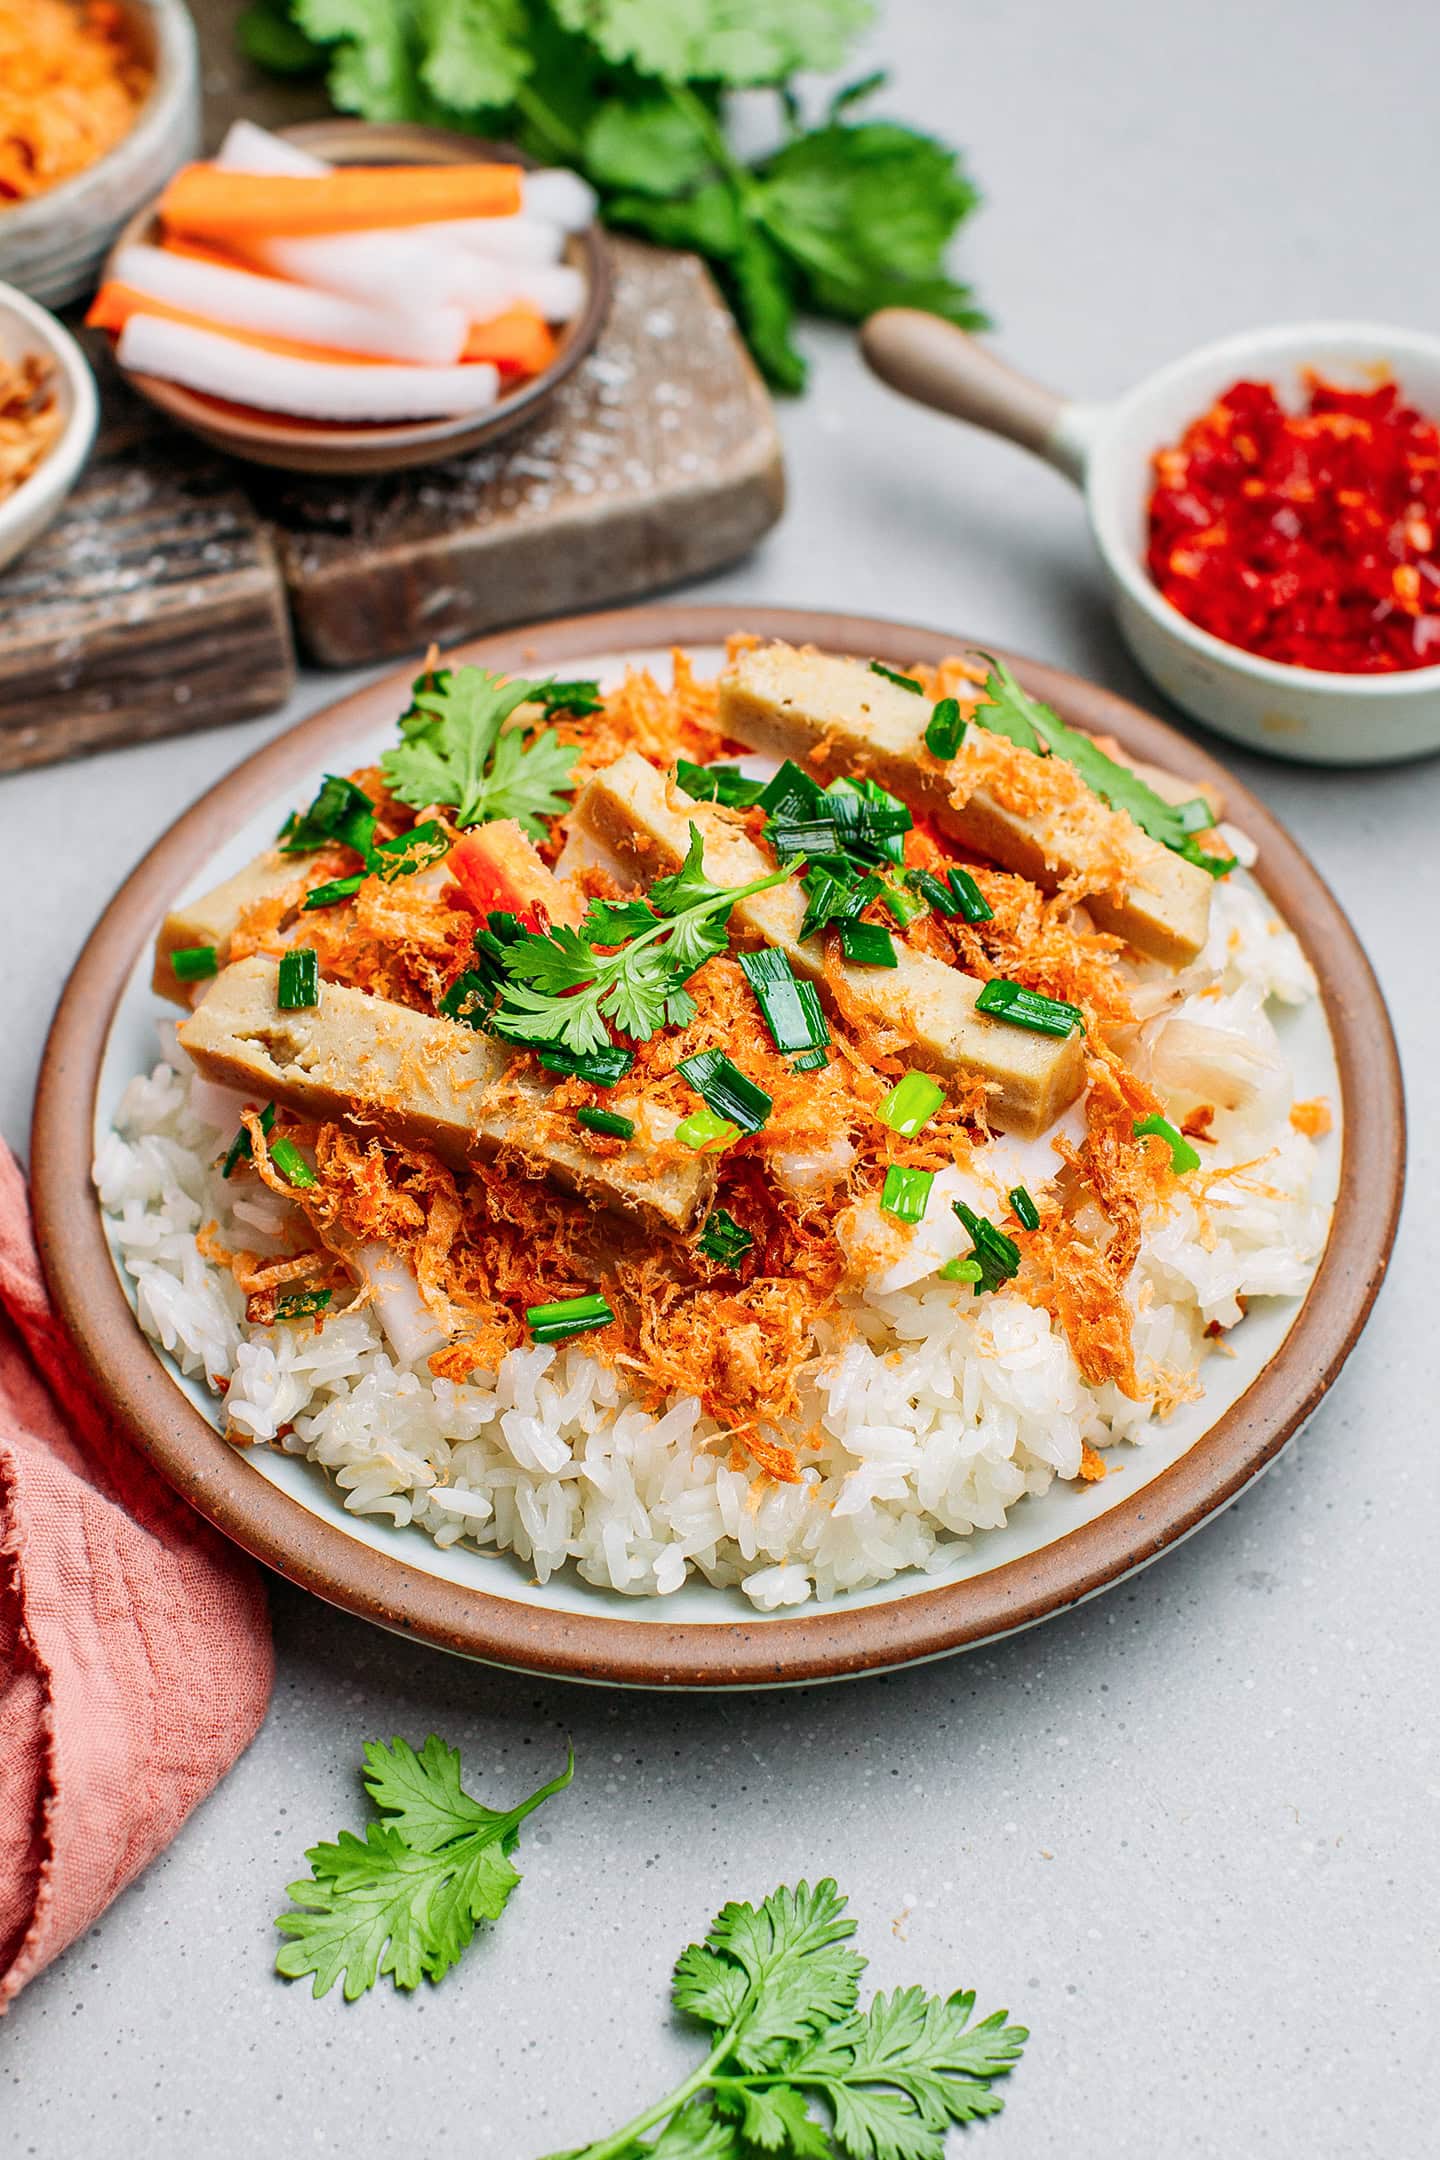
135, 1657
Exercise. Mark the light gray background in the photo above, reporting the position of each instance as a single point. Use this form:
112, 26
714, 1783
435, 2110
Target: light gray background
1187, 1834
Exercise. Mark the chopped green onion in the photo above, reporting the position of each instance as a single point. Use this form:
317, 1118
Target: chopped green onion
868, 943
1026, 1212
579, 698
340, 888
299, 979
1195, 815
409, 851
856, 898
997, 1256
945, 730
811, 1061
958, 1270
469, 999
704, 1131
301, 1304
605, 1121
906, 1192
970, 902
603, 1068
905, 682
192, 963
791, 794
718, 783
791, 1009
911, 1104
824, 893
240, 1148
724, 1240
341, 814
1182, 1156
881, 822
928, 887
567, 1316
1006, 1000
291, 1164
726, 1090
903, 907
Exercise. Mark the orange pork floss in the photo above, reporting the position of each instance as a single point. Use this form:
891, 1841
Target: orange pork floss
1311, 537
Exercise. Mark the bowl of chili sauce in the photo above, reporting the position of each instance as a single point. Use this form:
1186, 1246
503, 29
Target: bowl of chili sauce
1267, 511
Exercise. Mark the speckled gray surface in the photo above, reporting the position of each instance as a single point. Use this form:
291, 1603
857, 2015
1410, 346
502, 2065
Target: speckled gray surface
1189, 1833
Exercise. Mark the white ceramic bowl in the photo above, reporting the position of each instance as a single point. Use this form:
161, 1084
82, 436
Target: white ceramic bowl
24, 329
1316, 716
52, 246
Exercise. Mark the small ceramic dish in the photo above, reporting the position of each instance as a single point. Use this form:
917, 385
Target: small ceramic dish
53, 246
1067, 1544
318, 446
1313, 715
28, 509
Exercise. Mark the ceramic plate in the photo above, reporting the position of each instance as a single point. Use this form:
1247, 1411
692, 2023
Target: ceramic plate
1056, 1550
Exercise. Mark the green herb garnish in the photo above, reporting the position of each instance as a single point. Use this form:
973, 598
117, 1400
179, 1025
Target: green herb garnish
328, 895
567, 1316
726, 1090
933, 890
403, 1900
603, 1068
996, 1256
868, 944
456, 749
1025, 1210
906, 1192
291, 1164
957, 1270
192, 963
1006, 1000
302, 1304
777, 1992
811, 1061
559, 987
724, 1240
970, 903
240, 1149
903, 682
706, 1132
299, 984
610, 1122
342, 815
945, 729
718, 783
579, 698
911, 1103
791, 1008
1183, 1157
1033, 726
903, 907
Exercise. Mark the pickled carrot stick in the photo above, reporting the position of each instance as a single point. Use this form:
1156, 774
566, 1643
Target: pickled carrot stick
212, 204
237, 299
242, 374
519, 342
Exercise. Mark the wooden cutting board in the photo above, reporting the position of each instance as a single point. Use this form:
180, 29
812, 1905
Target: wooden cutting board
163, 598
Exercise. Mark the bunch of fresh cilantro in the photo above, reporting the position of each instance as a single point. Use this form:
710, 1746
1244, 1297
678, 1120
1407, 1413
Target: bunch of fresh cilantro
840, 218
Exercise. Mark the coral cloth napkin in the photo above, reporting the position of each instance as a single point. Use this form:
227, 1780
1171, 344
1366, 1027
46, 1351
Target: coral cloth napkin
135, 1658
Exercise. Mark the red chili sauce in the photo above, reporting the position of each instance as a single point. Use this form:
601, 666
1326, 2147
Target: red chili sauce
1309, 537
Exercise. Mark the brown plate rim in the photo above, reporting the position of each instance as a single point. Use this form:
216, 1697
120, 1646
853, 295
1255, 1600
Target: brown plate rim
750, 1652
295, 445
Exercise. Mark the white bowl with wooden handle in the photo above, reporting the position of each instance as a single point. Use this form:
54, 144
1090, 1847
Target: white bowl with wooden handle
1318, 716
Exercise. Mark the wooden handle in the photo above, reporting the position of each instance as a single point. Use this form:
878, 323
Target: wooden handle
926, 358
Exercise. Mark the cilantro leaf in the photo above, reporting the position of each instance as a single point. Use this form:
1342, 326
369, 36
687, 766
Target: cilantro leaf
777, 1986
741, 42
1011, 711
865, 214
648, 143
375, 68
456, 749
404, 1900
478, 51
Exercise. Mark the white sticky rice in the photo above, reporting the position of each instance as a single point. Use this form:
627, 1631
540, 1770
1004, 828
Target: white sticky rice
938, 1410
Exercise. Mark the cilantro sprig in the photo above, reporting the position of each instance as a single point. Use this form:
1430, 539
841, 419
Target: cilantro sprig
777, 1988
842, 217
1013, 712
456, 749
625, 967
403, 1900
